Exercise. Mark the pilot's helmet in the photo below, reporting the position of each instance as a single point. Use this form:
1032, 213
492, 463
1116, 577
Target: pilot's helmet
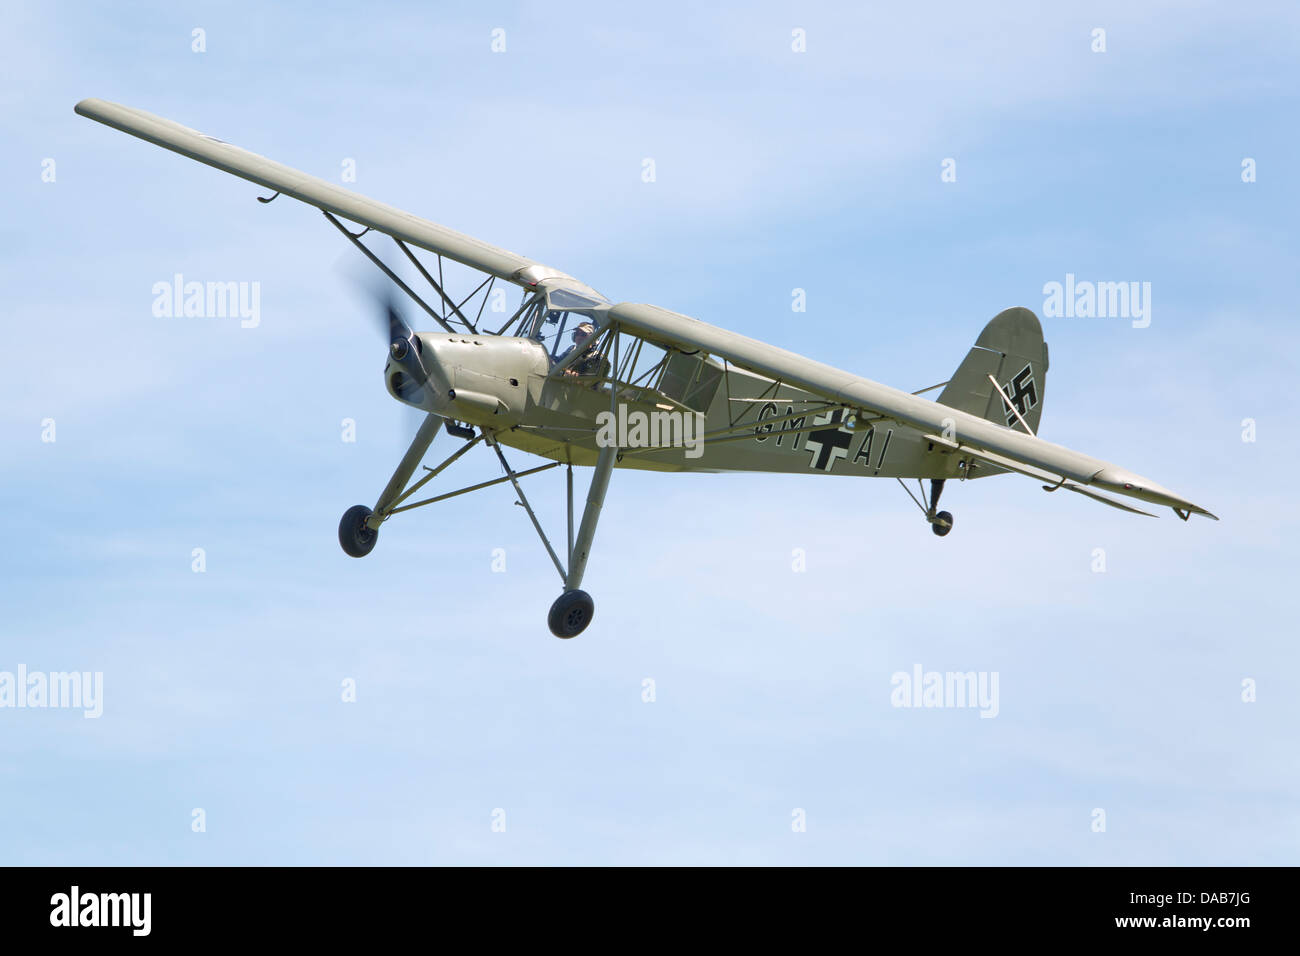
584, 329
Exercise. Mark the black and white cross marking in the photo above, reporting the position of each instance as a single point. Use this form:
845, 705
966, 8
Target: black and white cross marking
828, 444
1022, 392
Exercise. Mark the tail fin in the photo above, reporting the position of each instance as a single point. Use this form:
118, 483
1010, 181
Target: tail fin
1012, 350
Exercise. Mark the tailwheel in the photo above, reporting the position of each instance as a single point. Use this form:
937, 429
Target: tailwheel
570, 614
355, 536
940, 521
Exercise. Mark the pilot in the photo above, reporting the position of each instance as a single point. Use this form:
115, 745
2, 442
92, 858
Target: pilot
588, 363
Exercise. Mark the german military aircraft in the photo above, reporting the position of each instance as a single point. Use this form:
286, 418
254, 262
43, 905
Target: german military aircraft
578, 379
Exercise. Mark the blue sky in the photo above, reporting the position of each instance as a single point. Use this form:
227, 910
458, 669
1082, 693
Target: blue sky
776, 170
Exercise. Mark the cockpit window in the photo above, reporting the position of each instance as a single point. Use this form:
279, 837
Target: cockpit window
561, 299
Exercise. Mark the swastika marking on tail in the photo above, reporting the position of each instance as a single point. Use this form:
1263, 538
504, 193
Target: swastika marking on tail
1022, 392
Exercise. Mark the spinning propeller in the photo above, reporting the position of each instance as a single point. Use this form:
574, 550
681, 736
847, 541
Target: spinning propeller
406, 350
417, 371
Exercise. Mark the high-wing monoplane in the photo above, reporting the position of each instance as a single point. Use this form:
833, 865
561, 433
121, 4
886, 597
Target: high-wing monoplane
578, 379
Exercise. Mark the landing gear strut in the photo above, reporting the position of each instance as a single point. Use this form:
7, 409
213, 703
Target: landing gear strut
572, 610
940, 521
359, 526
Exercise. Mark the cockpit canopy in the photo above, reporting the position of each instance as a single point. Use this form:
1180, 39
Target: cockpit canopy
560, 299
562, 317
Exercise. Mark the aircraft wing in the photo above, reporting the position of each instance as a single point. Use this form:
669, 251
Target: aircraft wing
975, 438
321, 194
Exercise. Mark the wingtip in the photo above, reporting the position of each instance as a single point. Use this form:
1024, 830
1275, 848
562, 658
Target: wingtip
91, 107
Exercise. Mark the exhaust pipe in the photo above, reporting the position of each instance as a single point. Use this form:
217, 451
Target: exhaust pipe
477, 401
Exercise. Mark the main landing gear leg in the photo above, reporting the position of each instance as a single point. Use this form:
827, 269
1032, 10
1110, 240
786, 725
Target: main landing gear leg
359, 527
572, 610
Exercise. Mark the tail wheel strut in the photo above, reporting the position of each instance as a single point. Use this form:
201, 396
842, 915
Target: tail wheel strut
940, 521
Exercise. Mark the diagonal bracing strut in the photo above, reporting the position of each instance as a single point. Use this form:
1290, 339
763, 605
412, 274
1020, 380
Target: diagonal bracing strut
512, 475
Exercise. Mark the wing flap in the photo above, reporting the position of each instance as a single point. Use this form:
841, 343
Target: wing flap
1103, 499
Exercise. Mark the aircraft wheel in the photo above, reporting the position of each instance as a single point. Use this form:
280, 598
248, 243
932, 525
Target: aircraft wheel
570, 614
355, 536
942, 523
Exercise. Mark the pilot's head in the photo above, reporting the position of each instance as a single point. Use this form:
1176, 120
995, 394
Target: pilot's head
583, 332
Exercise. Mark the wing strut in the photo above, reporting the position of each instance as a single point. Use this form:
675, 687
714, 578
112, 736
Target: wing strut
437, 287
355, 239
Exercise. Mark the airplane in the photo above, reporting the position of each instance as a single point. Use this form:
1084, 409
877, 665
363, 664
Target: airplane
578, 379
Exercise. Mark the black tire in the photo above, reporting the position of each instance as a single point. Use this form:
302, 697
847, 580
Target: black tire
355, 536
942, 523
570, 614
